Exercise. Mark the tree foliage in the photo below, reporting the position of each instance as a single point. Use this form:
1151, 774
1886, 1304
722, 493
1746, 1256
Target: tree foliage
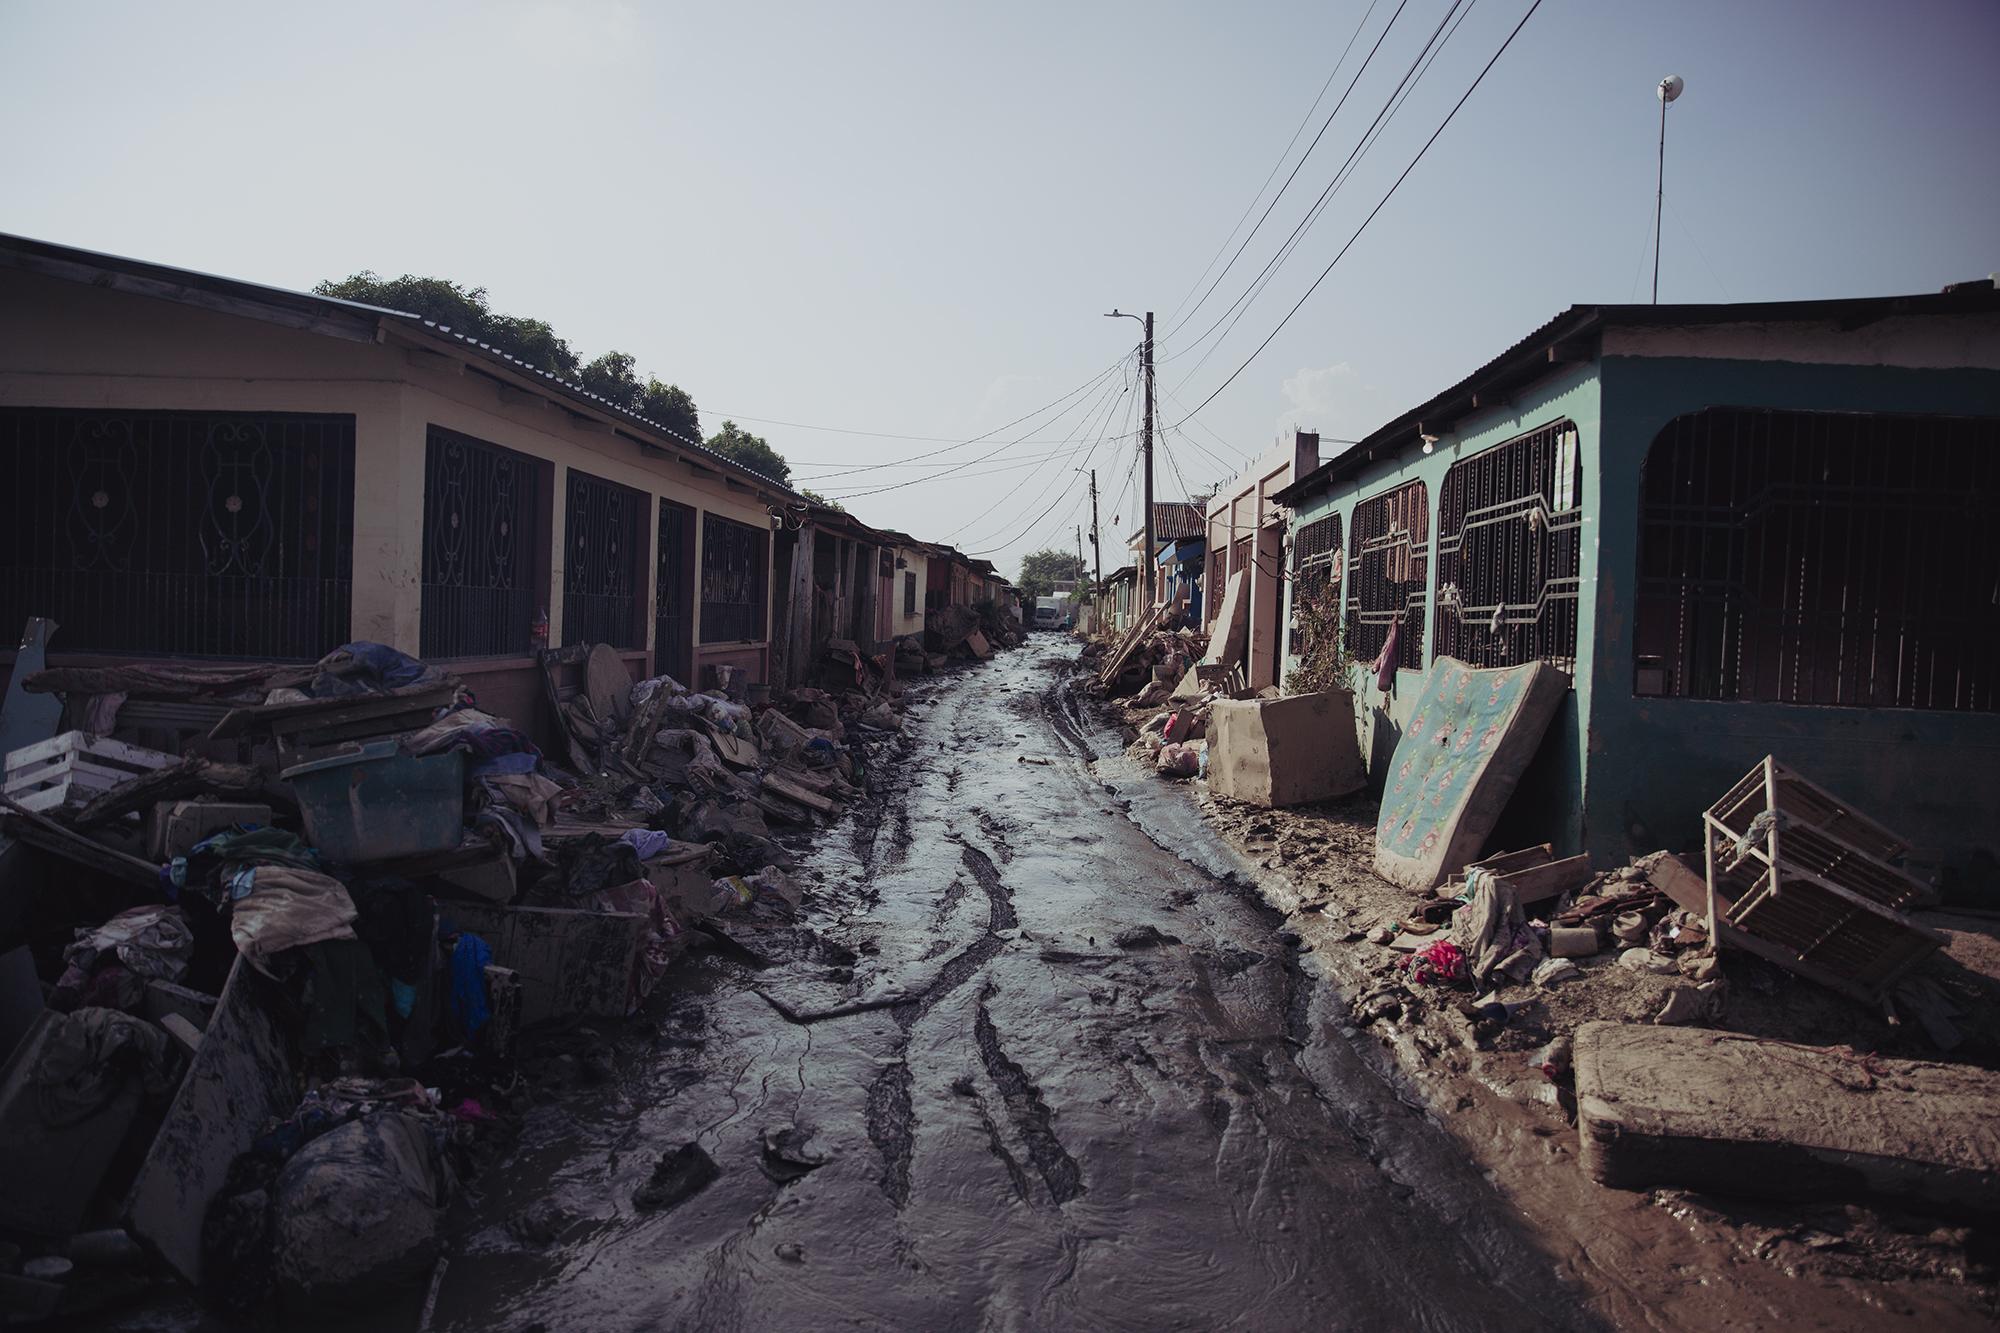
752, 451
613, 376
1042, 570
463, 310
819, 499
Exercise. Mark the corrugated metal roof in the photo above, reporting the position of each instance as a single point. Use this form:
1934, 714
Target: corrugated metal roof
1174, 519
1535, 356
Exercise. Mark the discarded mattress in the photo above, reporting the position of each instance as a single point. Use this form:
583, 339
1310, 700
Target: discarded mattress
1667, 1106
1275, 752
1471, 735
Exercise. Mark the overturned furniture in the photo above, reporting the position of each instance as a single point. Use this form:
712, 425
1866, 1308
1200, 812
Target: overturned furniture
1289, 751
1673, 1106
1801, 879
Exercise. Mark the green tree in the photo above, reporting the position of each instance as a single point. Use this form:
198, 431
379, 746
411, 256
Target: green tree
670, 405
751, 451
819, 499
1042, 570
463, 310
610, 377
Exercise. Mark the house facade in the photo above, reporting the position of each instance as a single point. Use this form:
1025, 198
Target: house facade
211, 469
1740, 529
1245, 528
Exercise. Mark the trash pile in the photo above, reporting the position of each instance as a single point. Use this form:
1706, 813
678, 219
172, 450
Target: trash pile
959, 633
262, 998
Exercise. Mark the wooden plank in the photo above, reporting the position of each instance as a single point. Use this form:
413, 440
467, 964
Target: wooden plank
190, 777
1537, 884
775, 781
41, 831
307, 714
1506, 863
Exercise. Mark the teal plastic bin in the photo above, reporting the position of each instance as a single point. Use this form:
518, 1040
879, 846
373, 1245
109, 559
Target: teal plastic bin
372, 803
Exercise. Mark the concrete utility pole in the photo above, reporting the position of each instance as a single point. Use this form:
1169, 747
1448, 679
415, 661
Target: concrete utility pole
1096, 544
1145, 569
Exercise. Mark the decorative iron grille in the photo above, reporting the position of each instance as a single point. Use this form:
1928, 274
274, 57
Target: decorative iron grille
1821, 558
1509, 550
733, 582
1388, 570
1316, 571
909, 593
673, 594
187, 534
601, 576
482, 524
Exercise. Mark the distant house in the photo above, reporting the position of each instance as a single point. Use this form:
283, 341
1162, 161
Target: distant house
1246, 536
1741, 529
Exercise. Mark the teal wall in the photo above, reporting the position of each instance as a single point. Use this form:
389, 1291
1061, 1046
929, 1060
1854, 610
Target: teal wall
1623, 775
1655, 764
1546, 807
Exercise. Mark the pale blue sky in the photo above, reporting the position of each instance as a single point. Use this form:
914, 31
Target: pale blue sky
907, 219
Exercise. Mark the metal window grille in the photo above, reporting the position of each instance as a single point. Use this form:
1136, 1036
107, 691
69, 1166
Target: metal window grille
1316, 573
733, 583
673, 593
482, 507
909, 593
1388, 568
1821, 558
189, 534
1509, 551
604, 544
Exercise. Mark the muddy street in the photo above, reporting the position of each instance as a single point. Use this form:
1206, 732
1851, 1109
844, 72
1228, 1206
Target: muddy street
1016, 1065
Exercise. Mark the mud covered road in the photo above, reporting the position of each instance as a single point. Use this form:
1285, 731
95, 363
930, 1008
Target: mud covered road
1033, 1056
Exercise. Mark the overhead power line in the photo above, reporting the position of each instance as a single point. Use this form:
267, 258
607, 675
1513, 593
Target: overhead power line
1380, 205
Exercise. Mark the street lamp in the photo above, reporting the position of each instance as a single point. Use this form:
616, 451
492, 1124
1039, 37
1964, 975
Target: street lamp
1669, 89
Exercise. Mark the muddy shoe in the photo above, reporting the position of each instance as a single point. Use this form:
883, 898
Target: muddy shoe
681, 1174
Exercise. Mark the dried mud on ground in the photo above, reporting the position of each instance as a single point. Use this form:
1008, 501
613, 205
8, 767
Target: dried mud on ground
1797, 1266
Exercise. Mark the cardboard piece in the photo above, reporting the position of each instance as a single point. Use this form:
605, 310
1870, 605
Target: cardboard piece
1275, 752
1706, 1110
1471, 735
977, 643
242, 1076
570, 962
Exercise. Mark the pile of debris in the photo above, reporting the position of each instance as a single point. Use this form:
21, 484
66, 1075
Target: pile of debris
959, 633
259, 1000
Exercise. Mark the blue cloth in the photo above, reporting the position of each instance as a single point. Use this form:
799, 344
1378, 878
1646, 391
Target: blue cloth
508, 763
468, 983
648, 843
403, 995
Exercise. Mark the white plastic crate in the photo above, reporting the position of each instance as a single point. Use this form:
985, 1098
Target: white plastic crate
72, 768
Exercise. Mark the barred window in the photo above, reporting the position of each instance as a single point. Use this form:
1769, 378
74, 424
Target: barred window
1510, 547
1388, 569
482, 527
601, 578
734, 558
190, 534
1828, 558
1317, 567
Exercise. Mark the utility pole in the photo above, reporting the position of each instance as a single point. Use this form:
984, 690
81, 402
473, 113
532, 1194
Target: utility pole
1096, 543
1146, 545
1145, 518
1079, 553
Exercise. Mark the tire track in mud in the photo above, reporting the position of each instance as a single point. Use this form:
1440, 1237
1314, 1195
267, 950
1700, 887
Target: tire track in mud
1027, 1109
892, 1118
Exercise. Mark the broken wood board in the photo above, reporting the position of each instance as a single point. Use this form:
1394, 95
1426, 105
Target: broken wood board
1114, 667
1531, 885
1471, 735
316, 719
242, 1076
572, 963
43, 832
981, 649
1506, 863
778, 783
190, 777
1696, 1109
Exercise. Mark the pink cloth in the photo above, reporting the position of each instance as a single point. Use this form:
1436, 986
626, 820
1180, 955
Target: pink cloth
1384, 665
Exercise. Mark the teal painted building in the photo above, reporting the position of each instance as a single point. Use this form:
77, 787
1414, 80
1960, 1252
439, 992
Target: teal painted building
1742, 529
